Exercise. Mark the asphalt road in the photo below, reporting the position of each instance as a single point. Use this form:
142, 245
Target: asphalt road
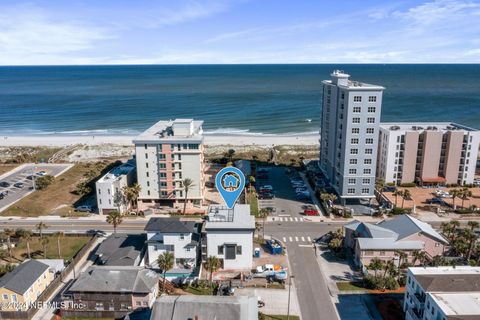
14, 193
312, 292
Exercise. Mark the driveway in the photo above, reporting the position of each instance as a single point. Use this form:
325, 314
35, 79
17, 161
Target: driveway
276, 300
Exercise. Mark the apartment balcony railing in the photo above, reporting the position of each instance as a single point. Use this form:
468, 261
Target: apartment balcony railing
413, 314
419, 300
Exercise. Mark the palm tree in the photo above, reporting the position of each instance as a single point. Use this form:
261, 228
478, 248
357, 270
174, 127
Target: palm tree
388, 268
375, 265
8, 234
27, 236
473, 225
187, 183
397, 193
455, 225
406, 194
471, 239
419, 256
380, 185
229, 154
44, 242
59, 235
114, 218
252, 182
40, 227
165, 262
131, 194
455, 193
212, 265
465, 193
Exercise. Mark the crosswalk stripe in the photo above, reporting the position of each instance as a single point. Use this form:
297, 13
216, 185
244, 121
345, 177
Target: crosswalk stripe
296, 219
290, 238
284, 239
303, 239
296, 239
309, 239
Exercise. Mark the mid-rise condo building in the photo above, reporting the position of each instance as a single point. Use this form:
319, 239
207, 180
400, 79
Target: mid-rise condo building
167, 153
427, 153
349, 135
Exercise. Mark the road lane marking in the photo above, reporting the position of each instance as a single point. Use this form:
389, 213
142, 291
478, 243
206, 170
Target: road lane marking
296, 219
284, 239
309, 239
296, 239
303, 239
305, 245
290, 238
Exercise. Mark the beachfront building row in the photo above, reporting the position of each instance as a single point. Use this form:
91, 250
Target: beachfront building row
442, 293
166, 154
427, 153
349, 135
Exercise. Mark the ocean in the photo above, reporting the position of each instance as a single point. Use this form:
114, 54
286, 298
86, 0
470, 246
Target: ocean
233, 99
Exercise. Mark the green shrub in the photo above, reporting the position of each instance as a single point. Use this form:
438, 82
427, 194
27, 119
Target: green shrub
398, 210
391, 283
390, 184
43, 182
372, 282
408, 185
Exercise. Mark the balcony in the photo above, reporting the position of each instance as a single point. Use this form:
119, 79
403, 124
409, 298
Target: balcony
419, 300
413, 314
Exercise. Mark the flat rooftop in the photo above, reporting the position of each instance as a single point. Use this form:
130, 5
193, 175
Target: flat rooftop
177, 131
458, 304
220, 217
117, 172
351, 84
459, 270
422, 126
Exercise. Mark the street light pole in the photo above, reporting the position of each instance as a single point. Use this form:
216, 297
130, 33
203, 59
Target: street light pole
289, 288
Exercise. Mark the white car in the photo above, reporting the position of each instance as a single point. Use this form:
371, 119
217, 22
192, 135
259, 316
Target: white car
41, 173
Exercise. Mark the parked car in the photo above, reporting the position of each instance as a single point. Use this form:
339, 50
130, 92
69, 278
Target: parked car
30, 177
3, 194
303, 196
4, 184
41, 173
266, 189
311, 212
84, 208
301, 189
270, 209
266, 195
18, 185
436, 201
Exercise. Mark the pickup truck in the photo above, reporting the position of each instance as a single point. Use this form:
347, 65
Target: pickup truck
270, 270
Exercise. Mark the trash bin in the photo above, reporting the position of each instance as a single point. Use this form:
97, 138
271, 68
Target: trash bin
257, 252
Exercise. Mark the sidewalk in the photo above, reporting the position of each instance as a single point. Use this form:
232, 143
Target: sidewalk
315, 200
46, 312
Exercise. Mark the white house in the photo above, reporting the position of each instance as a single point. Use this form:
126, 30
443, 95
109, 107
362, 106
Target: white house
178, 237
229, 236
109, 188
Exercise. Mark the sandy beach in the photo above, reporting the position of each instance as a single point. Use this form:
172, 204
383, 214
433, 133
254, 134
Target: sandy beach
124, 140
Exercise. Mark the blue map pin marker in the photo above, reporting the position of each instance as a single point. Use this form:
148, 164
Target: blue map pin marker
230, 182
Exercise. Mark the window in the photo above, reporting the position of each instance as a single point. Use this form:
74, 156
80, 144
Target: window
123, 306
370, 130
162, 165
146, 165
163, 184
161, 156
368, 151
163, 174
352, 181
356, 120
355, 130
148, 192
372, 99
370, 120
365, 191
367, 161
5, 296
138, 303
99, 305
371, 109
357, 99
352, 171
220, 250
357, 109
351, 191
238, 250
369, 141
343, 95
353, 161
367, 171
182, 236
354, 141
353, 151
148, 183
193, 146
366, 181
146, 155
145, 146
382, 253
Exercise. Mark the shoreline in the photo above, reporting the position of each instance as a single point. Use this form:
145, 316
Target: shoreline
266, 140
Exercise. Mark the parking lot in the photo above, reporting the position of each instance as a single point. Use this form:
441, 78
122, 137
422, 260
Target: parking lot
25, 175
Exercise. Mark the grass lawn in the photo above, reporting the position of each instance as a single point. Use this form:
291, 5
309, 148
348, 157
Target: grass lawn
69, 246
350, 286
57, 199
252, 200
199, 291
7, 167
278, 317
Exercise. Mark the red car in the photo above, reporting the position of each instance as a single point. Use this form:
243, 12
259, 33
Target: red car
311, 212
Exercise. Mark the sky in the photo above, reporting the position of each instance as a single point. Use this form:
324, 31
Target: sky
77, 32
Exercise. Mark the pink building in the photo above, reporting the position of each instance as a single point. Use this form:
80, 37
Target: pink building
382, 240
